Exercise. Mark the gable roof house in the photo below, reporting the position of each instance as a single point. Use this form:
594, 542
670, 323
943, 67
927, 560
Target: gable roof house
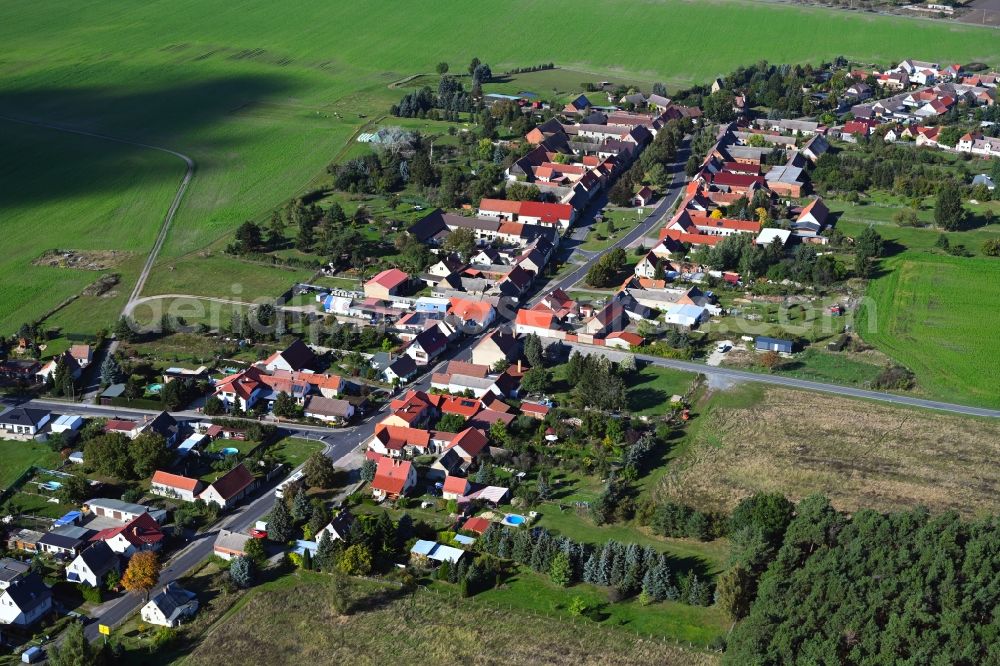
814, 216
230, 488
428, 345
296, 356
243, 388
171, 606
140, 533
393, 478
472, 316
180, 487
469, 444
386, 284
71, 363
455, 487
230, 544
23, 423
25, 601
400, 370
92, 565
495, 347
399, 441
338, 527
12, 570
328, 409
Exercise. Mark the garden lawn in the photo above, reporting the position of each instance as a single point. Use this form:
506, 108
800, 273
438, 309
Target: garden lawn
17, 456
262, 100
293, 451
650, 390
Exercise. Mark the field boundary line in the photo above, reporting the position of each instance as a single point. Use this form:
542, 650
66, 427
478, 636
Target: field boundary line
171, 211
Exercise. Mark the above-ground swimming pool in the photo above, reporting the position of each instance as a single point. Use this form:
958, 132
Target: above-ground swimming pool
50, 485
514, 519
230, 451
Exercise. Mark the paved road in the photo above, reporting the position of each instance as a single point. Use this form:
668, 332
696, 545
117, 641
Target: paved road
650, 222
339, 442
791, 382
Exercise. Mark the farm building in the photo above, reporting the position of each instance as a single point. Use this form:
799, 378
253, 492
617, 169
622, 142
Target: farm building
774, 344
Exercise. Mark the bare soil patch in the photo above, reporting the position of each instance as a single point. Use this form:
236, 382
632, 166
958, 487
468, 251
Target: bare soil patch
88, 260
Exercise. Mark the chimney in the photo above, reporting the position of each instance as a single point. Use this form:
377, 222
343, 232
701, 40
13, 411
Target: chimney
519, 366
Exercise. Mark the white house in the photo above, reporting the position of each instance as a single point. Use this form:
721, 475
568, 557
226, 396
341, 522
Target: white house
688, 316
92, 565
25, 601
230, 544
176, 486
338, 527
22, 423
297, 356
170, 607
328, 409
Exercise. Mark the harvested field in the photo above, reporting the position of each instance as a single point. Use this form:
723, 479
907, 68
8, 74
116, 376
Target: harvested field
859, 454
296, 624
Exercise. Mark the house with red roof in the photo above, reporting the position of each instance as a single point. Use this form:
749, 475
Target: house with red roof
140, 533
455, 487
459, 405
535, 410
393, 478
413, 410
623, 340
230, 488
400, 441
476, 524
471, 316
814, 216
700, 229
242, 389
535, 321
386, 284
560, 216
469, 444
176, 486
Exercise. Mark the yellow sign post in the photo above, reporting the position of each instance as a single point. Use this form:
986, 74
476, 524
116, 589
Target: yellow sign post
104, 629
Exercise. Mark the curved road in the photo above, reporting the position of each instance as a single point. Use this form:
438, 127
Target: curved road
171, 211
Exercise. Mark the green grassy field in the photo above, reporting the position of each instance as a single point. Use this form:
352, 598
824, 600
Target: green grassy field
930, 313
70, 192
16, 456
276, 622
263, 98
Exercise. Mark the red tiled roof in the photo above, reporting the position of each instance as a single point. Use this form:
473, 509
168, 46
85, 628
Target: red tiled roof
233, 482
471, 440
390, 475
175, 481
466, 407
396, 437
500, 206
119, 425
535, 408
548, 212
477, 524
455, 484
140, 531
390, 278
467, 310
535, 318
633, 339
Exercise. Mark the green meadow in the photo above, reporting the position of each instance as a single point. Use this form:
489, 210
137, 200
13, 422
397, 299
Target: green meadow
263, 96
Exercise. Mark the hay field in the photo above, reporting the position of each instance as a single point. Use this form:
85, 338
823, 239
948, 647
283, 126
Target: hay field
860, 454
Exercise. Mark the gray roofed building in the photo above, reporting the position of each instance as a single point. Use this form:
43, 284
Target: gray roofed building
123, 511
11, 570
171, 606
25, 601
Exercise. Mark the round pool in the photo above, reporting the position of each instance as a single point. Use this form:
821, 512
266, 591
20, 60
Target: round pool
230, 451
513, 519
